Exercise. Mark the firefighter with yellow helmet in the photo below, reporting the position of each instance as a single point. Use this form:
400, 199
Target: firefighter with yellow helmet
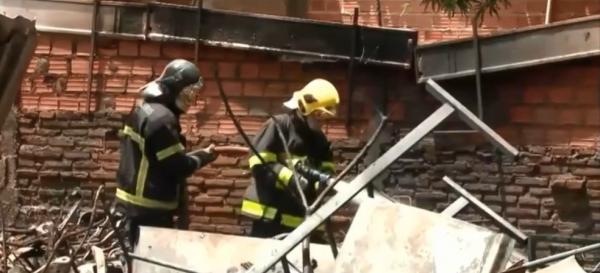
272, 200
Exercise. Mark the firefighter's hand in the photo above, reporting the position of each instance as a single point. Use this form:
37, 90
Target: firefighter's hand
312, 174
206, 155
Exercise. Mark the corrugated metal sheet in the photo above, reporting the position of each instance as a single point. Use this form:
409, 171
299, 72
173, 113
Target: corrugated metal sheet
17, 44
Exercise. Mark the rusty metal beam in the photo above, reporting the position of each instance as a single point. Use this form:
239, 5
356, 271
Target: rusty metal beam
280, 35
557, 42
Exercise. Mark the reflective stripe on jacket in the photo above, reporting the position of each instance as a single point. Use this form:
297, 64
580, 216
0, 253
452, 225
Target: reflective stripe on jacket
271, 196
153, 162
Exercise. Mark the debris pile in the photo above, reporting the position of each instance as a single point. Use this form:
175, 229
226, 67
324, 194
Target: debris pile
79, 240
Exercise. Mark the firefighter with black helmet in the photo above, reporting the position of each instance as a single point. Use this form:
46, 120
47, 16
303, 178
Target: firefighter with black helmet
154, 165
272, 199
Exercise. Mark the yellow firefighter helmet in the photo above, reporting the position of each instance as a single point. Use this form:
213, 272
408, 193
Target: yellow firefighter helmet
318, 94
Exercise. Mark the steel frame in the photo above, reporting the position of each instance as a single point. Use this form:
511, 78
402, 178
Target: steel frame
449, 106
169, 22
566, 40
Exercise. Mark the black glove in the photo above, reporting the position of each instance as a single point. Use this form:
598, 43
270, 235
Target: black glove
204, 156
312, 174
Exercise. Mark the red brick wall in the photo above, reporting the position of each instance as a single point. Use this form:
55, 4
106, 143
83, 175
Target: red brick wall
62, 147
434, 27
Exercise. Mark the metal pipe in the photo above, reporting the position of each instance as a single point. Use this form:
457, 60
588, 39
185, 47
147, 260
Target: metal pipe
198, 29
477, 52
350, 86
4, 246
379, 15
560, 256
89, 228
118, 235
92, 56
548, 11
501, 222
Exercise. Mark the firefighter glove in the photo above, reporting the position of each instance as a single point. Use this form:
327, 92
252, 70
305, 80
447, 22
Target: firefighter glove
312, 174
204, 156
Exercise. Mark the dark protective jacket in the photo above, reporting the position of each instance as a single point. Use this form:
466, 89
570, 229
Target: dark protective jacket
272, 196
153, 163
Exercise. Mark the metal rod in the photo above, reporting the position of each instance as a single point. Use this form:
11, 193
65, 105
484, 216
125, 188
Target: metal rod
379, 15
350, 85
198, 29
306, 264
455, 207
477, 53
92, 56
147, 22
354, 161
356, 186
62, 234
468, 117
89, 228
113, 225
331, 238
501, 222
560, 256
162, 263
548, 11
4, 246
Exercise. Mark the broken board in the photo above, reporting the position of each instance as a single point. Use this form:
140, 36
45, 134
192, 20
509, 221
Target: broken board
390, 238
210, 252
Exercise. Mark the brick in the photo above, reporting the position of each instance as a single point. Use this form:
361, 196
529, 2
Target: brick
253, 88
35, 140
233, 201
242, 183
200, 219
587, 171
533, 223
207, 171
128, 48
232, 88
103, 175
570, 117
532, 181
202, 227
82, 124
208, 200
499, 199
534, 94
75, 132
217, 192
592, 117
224, 220
54, 124
560, 95
550, 169
225, 161
514, 189
77, 155
219, 182
218, 210
249, 71
540, 191
27, 172
521, 212
230, 229
235, 173
545, 115
61, 46
49, 173
480, 187
61, 141
521, 114
150, 49
227, 70
21, 163
91, 142
86, 165
237, 193
433, 195
270, 71
529, 201
48, 153
51, 164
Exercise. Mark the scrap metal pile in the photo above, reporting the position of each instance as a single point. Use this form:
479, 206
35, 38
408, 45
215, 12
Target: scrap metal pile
78, 240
